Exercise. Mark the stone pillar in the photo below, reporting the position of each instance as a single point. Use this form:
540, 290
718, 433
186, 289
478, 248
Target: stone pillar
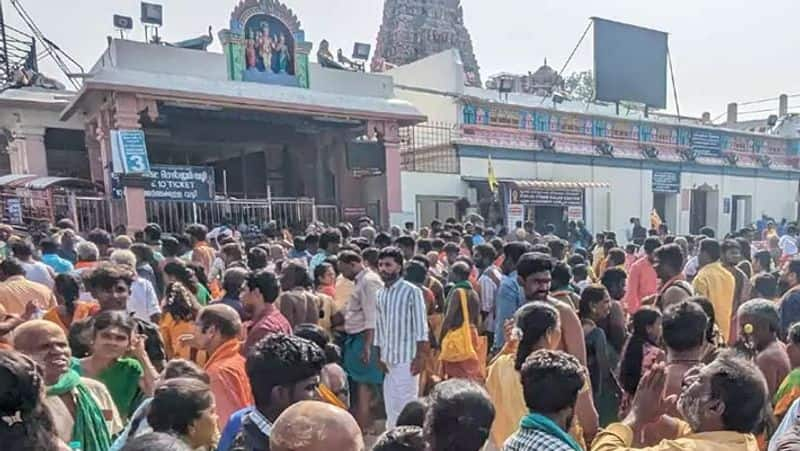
732, 113
391, 142
126, 116
93, 149
30, 156
783, 105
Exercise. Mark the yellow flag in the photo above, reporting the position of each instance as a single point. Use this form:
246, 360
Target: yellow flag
493, 185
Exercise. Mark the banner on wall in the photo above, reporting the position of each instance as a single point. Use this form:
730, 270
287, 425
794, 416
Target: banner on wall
548, 197
575, 213
514, 213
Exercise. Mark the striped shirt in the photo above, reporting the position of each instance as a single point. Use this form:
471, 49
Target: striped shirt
489, 282
401, 322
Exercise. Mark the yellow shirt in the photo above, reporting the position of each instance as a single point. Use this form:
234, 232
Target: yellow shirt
505, 390
618, 437
717, 284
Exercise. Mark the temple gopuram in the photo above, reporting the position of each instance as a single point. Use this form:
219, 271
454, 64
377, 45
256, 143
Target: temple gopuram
415, 29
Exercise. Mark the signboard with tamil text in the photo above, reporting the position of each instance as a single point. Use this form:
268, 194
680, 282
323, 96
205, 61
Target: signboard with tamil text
129, 152
706, 143
186, 183
548, 197
666, 182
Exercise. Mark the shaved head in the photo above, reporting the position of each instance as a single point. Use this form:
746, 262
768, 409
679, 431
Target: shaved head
223, 317
315, 426
30, 334
46, 343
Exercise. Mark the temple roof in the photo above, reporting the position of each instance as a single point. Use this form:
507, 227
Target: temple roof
200, 78
38, 97
235, 94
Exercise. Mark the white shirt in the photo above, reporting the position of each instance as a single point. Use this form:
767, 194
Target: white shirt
788, 245
690, 270
143, 302
39, 272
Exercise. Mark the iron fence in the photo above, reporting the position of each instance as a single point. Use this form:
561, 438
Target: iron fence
174, 216
428, 147
95, 212
328, 214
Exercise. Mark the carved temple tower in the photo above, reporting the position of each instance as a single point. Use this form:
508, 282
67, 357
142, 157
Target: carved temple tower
414, 29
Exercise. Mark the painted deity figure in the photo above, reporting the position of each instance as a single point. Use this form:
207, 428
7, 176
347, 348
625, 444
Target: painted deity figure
265, 50
283, 54
250, 53
259, 42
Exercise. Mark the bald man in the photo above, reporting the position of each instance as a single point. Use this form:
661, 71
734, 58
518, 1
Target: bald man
216, 331
315, 426
82, 409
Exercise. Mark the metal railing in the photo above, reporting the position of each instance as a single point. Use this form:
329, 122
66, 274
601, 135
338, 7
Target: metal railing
429, 147
173, 216
96, 212
328, 214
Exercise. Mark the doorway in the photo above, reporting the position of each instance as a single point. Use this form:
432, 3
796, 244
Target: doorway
666, 205
430, 208
741, 212
704, 211
550, 215
698, 211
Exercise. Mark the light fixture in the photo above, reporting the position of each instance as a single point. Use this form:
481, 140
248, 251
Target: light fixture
152, 14
123, 22
361, 51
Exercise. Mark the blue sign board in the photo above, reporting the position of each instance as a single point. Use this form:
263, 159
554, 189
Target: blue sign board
130, 152
185, 183
706, 143
666, 182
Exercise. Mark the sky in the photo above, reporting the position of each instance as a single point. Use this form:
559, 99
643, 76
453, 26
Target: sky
722, 50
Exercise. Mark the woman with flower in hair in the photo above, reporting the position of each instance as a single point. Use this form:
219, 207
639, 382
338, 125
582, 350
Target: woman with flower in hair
180, 309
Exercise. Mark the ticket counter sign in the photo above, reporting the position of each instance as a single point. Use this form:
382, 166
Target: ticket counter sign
185, 183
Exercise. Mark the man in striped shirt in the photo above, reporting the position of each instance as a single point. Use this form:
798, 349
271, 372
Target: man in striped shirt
401, 334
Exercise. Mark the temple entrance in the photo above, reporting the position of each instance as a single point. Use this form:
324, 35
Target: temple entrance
704, 208
741, 212
666, 205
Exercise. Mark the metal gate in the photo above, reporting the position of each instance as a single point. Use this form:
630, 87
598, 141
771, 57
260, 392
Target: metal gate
174, 216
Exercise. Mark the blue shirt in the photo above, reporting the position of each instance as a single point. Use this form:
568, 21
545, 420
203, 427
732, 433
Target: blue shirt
509, 298
59, 265
318, 258
790, 309
232, 427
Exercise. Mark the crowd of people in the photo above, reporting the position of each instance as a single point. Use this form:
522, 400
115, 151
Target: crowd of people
450, 337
